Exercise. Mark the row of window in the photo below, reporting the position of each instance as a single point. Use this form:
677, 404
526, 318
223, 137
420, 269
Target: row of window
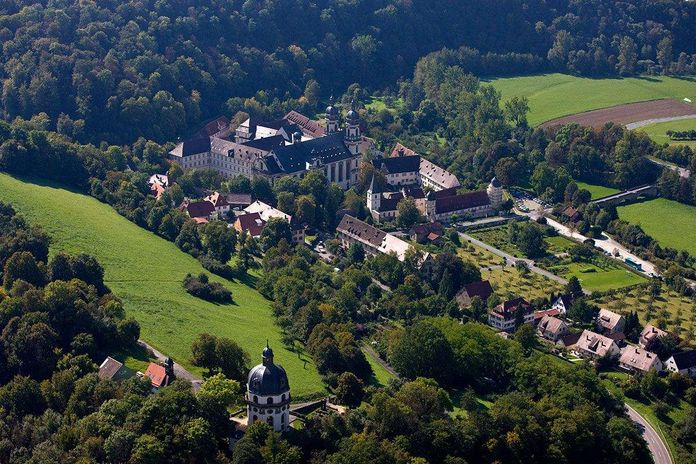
270, 399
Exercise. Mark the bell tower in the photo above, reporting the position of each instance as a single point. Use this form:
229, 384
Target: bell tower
353, 137
331, 117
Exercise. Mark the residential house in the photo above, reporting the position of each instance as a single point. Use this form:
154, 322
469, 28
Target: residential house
373, 240
159, 183
609, 322
650, 335
111, 369
569, 340
421, 233
238, 200
551, 328
481, 289
160, 376
593, 346
635, 359
249, 223
539, 315
564, 302
266, 212
571, 214
219, 202
199, 211
684, 363
504, 316
399, 170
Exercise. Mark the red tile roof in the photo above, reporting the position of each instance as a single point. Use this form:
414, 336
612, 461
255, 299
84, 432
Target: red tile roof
250, 223
157, 375
200, 209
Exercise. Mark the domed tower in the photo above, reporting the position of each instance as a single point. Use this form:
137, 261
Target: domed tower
495, 193
353, 136
331, 117
268, 394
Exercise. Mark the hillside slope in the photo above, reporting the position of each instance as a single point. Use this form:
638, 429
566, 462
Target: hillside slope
146, 271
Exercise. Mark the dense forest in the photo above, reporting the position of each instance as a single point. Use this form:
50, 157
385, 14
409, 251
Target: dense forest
115, 71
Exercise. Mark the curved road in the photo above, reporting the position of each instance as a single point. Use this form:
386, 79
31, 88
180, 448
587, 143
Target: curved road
647, 122
657, 447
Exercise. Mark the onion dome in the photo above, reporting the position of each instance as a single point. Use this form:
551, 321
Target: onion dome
331, 110
496, 183
268, 379
352, 117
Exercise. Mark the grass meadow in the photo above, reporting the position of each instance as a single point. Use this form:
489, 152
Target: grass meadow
658, 132
671, 223
555, 95
597, 191
146, 272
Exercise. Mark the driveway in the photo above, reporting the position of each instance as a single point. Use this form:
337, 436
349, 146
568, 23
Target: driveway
657, 447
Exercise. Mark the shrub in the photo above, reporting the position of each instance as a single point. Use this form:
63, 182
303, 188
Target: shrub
211, 291
217, 268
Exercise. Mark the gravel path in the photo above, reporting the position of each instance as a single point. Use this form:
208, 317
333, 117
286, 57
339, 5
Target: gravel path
647, 122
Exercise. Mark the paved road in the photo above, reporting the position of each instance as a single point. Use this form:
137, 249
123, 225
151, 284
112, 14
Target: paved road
657, 447
607, 244
511, 260
179, 371
647, 122
374, 355
683, 172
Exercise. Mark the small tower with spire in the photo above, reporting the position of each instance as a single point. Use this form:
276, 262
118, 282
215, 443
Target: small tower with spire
331, 117
374, 195
353, 137
268, 393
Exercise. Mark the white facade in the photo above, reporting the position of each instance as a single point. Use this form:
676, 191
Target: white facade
273, 410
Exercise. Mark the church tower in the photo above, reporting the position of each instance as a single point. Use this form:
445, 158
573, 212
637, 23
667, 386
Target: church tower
495, 193
268, 394
331, 117
374, 195
353, 136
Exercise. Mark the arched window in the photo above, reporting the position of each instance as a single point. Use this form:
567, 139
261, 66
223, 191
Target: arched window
282, 397
269, 401
256, 417
256, 399
270, 421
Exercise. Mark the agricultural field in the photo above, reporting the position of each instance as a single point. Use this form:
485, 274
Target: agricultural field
678, 312
658, 132
597, 191
556, 95
146, 272
669, 222
631, 115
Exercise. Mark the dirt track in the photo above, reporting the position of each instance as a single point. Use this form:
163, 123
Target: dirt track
626, 114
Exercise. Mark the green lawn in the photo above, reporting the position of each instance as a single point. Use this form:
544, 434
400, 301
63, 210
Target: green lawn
658, 132
559, 244
597, 191
555, 95
671, 223
596, 278
380, 376
380, 103
146, 271
509, 283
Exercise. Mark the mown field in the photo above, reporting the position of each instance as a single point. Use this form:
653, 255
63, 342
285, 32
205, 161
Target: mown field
658, 132
600, 276
671, 223
146, 272
554, 95
597, 191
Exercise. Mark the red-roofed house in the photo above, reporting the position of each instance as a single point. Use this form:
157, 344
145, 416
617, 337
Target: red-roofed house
480, 289
503, 316
158, 376
219, 202
250, 223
